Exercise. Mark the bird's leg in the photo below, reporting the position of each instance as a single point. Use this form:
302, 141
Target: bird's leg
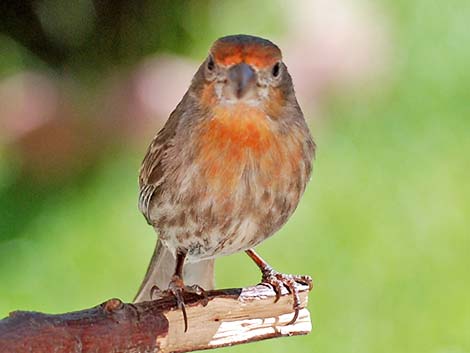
177, 287
276, 280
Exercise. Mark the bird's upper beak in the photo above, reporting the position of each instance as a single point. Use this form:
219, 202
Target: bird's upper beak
241, 78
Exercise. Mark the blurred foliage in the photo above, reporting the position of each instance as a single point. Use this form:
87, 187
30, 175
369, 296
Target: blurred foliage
383, 227
66, 34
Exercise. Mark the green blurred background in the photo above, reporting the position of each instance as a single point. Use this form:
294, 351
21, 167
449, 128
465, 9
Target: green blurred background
383, 227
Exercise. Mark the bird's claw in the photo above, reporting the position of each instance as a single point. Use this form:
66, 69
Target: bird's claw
277, 280
177, 288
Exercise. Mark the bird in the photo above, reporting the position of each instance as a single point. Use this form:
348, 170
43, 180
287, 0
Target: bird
226, 171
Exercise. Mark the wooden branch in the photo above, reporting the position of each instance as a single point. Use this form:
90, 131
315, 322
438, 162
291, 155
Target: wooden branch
232, 316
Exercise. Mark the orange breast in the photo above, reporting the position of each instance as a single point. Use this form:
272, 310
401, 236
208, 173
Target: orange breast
241, 137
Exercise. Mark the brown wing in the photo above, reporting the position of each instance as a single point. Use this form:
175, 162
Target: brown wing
152, 171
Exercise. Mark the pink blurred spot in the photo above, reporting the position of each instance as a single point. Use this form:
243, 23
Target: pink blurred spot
334, 43
27, 100
161, 82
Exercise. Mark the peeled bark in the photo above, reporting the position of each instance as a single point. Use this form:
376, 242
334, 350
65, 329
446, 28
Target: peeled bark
232, 316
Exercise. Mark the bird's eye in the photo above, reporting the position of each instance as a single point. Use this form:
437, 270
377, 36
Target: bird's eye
276, 69
210, 63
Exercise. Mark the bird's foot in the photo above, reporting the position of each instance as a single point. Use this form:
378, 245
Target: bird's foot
176, 289
276, 280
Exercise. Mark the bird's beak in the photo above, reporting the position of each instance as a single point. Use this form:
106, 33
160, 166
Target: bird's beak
241, 78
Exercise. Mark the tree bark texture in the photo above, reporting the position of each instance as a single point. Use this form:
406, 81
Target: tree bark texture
232, 316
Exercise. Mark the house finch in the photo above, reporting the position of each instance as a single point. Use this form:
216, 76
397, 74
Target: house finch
227, 170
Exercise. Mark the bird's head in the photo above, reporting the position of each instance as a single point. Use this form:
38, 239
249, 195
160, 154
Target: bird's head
243, 70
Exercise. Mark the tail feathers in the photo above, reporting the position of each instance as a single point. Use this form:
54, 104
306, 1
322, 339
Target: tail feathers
162, 267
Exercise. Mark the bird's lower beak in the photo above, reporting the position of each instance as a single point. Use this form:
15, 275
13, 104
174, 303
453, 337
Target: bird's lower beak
241, 78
